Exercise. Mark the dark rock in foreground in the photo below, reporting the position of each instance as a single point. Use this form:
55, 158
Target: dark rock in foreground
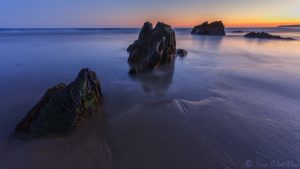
64, 107
181, 52
214, 28
153, 48
264, 35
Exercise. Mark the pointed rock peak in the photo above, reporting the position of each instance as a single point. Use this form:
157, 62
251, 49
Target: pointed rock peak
204, 23
161, 24
217, 23
146, 31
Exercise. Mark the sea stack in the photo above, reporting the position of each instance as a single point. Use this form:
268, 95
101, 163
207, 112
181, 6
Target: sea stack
214, 28
264, 35
64, 107
154, 47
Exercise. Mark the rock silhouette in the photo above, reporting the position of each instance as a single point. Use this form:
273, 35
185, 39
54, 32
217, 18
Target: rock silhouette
181, 52
237, 31
214, 28
64, 107
264, 35
154, 47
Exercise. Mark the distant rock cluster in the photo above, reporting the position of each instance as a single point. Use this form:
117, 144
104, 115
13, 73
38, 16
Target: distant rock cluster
237, 31
264, 35
214, 28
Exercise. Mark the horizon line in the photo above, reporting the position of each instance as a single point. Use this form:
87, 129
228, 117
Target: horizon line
3, 28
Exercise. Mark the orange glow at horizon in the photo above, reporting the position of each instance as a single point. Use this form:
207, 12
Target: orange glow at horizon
231, 23
240, 14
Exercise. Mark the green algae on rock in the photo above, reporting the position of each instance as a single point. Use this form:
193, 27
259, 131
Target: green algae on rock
64, 107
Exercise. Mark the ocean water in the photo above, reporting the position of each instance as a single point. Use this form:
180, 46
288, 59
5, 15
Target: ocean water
231, 103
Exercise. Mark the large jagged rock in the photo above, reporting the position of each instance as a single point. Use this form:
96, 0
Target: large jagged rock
153, 48
64, 107
214, 28
264, 35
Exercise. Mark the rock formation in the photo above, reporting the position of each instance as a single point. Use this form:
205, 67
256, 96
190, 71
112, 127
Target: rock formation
181, 52
64, 107
237, 31
153, 48
264, 35
214, 28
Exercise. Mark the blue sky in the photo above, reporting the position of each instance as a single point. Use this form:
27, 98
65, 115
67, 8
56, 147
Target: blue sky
132, 13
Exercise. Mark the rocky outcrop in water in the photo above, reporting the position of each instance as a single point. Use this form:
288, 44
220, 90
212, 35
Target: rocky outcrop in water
64, 107
181, 52
289, 26
237, 31
154, 47
214, 28
264, 35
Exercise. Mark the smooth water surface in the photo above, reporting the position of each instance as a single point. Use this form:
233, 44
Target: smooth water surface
231, 100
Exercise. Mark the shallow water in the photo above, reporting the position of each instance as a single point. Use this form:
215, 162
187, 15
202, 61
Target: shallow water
231, 100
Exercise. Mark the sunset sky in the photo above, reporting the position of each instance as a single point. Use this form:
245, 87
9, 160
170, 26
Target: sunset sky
132, 13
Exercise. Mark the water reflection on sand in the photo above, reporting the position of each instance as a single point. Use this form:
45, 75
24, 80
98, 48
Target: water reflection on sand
156, 82
230, 100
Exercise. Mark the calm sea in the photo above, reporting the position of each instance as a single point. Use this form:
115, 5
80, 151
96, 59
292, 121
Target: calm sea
231, 103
